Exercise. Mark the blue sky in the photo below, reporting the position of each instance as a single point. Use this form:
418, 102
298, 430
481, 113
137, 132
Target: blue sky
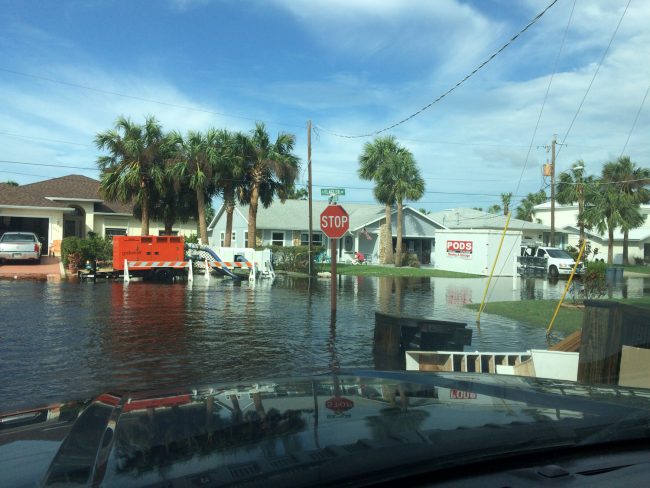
352, 67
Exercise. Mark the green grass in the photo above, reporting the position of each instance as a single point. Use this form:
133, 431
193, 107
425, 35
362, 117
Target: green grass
538, 313
636, 268
370, 270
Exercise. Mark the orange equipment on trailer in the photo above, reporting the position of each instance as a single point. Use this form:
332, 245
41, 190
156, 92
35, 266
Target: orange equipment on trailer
149, 251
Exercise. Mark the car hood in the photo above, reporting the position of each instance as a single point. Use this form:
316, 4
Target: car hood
310, 430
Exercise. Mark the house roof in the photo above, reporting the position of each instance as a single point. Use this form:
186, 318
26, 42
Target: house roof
55, 192
469, 218
287, 215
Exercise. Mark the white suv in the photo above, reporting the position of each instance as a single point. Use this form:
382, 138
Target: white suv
558, 261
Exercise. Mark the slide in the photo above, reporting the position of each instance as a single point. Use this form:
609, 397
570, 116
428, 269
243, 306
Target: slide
216, 258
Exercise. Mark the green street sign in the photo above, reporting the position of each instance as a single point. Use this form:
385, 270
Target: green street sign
332, 191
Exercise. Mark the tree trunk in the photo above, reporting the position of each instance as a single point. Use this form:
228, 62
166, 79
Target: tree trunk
169, 226
203, 227
626, 236
398, 253
229, 204
581, 224
145, 208
610, 244
252, 214
388, 241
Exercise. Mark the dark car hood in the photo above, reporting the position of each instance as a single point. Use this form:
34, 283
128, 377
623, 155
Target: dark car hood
310, 430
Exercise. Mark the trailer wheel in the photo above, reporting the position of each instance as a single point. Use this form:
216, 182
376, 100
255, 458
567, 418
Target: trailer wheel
164, 274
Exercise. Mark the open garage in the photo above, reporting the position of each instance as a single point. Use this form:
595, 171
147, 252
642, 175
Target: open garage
39, 226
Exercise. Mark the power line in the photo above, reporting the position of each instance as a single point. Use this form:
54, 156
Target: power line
44, 139
467, 77
142, 99
48, 165
611, 40
635, 120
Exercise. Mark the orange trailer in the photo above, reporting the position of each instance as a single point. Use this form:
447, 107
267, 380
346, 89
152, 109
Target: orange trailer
149, 251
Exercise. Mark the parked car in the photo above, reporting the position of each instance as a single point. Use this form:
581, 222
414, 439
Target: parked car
19, 246
558, 261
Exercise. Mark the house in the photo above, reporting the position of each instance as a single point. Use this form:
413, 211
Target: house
287, 224
70, 206
472, 219
566, 218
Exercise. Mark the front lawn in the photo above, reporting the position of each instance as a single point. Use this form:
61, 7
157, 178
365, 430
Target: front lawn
539, 312
407, 272
638, 268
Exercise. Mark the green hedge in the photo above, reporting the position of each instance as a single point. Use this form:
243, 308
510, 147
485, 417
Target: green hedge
77, 251
293, 258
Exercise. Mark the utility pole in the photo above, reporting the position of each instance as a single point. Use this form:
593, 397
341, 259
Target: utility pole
553, 192
309, 192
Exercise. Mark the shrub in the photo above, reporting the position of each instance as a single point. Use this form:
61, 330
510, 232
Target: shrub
639, 261
293, 258
192, 239
410, 260
593, 280
76, 251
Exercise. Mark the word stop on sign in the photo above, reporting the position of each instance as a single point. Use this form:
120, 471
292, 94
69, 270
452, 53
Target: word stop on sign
333, 221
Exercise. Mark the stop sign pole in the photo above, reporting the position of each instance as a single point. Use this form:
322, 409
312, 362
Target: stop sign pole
334, 222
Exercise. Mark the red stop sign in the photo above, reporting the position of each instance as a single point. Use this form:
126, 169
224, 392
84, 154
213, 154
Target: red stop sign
334, 221
339, 404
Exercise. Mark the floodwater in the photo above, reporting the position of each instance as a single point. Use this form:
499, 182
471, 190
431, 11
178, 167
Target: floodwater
69, 340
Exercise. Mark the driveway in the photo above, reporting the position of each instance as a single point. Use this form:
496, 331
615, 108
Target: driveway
48, 269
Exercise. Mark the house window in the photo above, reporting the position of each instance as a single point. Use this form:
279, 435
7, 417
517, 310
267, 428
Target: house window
277, 238
114, 231
316, 239
222, 239
246, 239
162, 233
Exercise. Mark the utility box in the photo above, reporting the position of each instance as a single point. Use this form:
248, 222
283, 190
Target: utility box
474, 250
148, 249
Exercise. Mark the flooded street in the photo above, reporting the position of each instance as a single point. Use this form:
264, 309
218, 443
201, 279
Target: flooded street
69, 340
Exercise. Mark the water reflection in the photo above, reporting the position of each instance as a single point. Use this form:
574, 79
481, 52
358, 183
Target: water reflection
68, 340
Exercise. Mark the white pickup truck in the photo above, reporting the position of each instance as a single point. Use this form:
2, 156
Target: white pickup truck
558, 261
19, 246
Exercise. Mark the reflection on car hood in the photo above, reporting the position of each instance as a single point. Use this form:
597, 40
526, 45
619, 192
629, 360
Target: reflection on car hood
309, 430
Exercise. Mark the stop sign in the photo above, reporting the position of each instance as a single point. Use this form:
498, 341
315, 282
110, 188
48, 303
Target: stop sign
334, 221
339, 404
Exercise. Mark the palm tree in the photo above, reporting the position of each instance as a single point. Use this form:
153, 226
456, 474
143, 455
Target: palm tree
271, 168
397, 180
196, 161
134, 166
631, 181
231, 171
571, 188
376, 154
494, 209
505, 200
526, 209
607, 209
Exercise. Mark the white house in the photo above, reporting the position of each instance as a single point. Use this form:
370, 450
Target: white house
566, 218
286, 224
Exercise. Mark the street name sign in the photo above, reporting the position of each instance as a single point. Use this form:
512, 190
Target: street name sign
324, 192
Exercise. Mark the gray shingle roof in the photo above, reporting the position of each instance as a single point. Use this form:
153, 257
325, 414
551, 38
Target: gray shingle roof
293, 214
468, 218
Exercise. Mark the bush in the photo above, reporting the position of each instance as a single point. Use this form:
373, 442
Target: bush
192, 239
410, 260
76, 251
293, 258
639, 261
593, 280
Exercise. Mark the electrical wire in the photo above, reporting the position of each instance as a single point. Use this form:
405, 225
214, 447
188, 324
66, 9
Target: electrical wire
143, 99
635, 120
450, 90
43, 139
600, 63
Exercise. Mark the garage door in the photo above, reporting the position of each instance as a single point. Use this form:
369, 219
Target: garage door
38, 226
